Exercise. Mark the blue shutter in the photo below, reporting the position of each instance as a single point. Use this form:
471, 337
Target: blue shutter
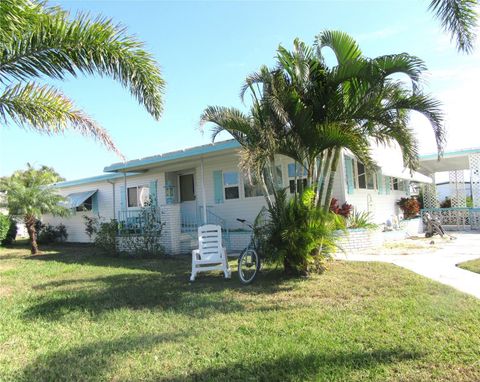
388, 184
153, 192
123, 198
218, 186
95, 203
380, 183
349, 174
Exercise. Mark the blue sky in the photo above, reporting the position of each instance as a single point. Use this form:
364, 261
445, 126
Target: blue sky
205, 50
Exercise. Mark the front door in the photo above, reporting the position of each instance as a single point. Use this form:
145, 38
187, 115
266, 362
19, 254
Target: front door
188, 206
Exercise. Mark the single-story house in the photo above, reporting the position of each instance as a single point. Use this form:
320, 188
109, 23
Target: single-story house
205, 183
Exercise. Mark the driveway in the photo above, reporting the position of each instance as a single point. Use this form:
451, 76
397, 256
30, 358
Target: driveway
437, 263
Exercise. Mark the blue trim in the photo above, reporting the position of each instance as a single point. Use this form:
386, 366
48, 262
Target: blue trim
175, 155
69, 183
449, 154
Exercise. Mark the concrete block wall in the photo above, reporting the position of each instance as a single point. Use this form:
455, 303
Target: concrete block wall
356, 240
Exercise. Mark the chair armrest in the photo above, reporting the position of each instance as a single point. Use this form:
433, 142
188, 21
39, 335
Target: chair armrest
196, 253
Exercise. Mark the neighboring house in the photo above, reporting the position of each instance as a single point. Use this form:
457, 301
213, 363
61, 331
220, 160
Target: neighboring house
444, 190
205, 183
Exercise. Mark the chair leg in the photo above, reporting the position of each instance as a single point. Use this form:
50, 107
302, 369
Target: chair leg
192, 277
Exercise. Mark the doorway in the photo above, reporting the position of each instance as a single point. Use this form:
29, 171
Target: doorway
188, 204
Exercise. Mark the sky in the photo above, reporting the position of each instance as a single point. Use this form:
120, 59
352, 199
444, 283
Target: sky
206, 49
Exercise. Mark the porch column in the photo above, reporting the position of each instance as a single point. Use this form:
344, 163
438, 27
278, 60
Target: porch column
430, 198
204, 195
474, 161
457, 188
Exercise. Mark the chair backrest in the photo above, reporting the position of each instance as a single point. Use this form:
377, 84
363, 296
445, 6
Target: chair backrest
210, 242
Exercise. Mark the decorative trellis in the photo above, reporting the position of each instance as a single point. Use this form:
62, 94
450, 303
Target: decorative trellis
430, 199
474, 160
457, 188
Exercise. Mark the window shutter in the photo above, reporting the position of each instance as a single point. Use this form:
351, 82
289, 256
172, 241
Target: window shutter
123, 198
95, 203
218, 186
380, 183
349, 174
153, 193
406, 184
388, 184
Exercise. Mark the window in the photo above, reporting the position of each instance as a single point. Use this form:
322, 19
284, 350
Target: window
365, 179
86, 205
301, 175
230, 185
361, 175
138, 196
395, 183
254, 188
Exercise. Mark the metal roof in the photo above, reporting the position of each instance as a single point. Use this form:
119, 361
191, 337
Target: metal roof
138, 164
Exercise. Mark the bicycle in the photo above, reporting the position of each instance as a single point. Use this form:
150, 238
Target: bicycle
248, 260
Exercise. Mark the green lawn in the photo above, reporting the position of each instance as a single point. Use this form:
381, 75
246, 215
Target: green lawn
472, 265
75, 316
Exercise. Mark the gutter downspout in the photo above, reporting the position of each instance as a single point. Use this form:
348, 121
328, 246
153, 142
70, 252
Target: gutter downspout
113, 193
204, 196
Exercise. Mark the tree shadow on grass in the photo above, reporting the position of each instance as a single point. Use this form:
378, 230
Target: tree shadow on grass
90, 361
156, 291
319, 366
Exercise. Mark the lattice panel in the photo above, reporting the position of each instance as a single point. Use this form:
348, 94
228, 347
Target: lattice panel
457, 188
474, 160
430, 198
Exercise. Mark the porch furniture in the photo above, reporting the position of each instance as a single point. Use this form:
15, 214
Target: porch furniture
210, 255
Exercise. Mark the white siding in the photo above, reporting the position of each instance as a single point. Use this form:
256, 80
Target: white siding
75, 223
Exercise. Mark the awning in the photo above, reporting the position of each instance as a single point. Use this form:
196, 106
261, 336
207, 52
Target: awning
78, 198
413, 176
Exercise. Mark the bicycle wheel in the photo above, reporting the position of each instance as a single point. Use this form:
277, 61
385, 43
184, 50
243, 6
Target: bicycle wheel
248, 266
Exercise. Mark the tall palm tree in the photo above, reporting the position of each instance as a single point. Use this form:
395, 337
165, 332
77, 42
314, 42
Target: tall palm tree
29, 195
459, 18
38, 41
314, 111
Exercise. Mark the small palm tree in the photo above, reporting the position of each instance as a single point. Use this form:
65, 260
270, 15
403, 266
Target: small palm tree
29, 196
39, 41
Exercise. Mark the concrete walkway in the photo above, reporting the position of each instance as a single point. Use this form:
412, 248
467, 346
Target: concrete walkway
438, 264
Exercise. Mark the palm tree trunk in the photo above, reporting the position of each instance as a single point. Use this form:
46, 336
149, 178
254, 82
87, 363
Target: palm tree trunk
32, 233
333, 171
323, 175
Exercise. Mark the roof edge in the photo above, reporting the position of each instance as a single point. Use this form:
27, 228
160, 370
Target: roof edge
174, 155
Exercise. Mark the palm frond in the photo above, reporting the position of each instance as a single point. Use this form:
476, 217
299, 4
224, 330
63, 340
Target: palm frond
343, 45
46, 110
459, 18
55, 45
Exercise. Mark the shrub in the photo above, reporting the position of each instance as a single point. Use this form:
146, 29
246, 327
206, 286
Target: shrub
4, 226
344, 210
409, 206
91, 225
48, 234
11, 233
361, 219
298, 234
105, 237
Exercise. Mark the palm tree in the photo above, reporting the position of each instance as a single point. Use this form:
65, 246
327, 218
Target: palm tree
37, 41
310, 111
29, 195
459, 18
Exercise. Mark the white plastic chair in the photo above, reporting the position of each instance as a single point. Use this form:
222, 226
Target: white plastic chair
210, 254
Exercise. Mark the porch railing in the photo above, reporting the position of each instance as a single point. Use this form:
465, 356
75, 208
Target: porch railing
135, 221
461, 218
190, 224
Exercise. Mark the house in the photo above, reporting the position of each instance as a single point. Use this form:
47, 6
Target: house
205, 184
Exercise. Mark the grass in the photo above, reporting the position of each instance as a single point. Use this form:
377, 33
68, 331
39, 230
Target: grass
73, 315
472, 265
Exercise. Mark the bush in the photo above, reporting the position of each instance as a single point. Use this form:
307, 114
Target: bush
298, 234
343, 210
11, 233
105, 237
48, 234
4, 226
360, 220
410, 207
